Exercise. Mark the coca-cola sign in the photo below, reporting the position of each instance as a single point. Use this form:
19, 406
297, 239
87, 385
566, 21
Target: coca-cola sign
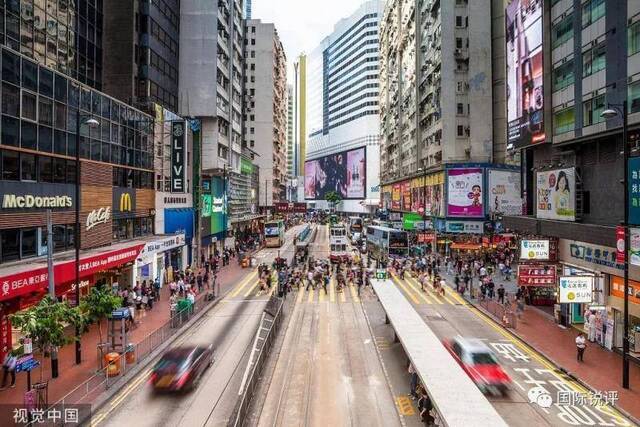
98, 216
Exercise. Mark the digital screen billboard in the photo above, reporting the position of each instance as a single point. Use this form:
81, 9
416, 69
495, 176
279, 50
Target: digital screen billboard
218, 205
525, 101
465, 192
344, 173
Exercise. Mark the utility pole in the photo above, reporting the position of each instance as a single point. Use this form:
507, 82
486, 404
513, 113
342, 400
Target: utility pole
52, 286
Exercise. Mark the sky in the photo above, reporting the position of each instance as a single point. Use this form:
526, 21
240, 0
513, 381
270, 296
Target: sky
302, 24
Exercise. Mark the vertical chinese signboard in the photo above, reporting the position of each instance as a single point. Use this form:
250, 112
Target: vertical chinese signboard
633, 188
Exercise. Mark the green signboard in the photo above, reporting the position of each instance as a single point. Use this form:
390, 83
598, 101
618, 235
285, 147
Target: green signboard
206, 205
246, 166
381, 274
409, 219
218, 205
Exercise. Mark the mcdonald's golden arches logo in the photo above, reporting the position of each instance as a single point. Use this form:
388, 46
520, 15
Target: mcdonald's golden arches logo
125, 202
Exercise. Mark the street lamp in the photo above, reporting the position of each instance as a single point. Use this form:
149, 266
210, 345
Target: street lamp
614, 110
92, 123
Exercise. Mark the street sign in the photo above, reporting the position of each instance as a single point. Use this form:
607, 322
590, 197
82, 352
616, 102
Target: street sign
381, 274
27, 346
26, 363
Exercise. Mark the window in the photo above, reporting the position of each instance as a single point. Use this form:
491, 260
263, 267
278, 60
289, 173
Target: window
633, 35
28, 167
29, 106
10, 166
29, 135
45, 111
564, 121
45, 166
46, 83
10, 244
10, 67
634, 97
460, 130
59, 172
562, 31
592, 10
592, 110
29, 75
458, 21
458, 43
460, 108
594, 60
562, 76
10, 131
45, 139
29, 242
10, 100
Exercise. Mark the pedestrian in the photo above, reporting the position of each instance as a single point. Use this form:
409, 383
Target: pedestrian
581, 344
425, 406
490, 287
156, 285
8, 367
413, 380
501, 294
456, 280
592, 327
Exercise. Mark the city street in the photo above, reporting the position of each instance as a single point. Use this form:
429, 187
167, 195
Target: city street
230, 327
451, 316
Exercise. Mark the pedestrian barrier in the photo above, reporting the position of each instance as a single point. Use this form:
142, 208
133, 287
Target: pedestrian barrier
264, 340
504, 313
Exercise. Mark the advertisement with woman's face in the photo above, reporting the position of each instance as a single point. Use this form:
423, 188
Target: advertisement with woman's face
555, 191
344, 173
464, 195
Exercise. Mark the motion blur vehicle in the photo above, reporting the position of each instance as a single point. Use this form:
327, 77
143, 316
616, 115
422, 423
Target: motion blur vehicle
480, 363
181, 368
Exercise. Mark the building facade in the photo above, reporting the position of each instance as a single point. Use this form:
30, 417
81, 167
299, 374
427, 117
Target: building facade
291, 147
266, 108
573, 59
142, 38
342, 116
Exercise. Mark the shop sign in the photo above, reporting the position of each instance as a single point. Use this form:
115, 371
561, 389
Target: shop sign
5, 334
468, 227
633, 190
246, 167
406, 195
426, 237
593, 254
634, 250
536, 275
617, 289
395, 216
466, 246
284, 207
159, 246
36, 280
576, 289
534, 250
98, 216
396, 196
124, 200
620, 244
18, 196
412, 221
175, 200
207, 202
381, 274
178, 156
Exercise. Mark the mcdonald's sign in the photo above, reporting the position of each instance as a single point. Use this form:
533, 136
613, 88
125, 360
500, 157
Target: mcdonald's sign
124, 200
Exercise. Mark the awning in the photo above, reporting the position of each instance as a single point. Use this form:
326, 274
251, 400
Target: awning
245, 218
24, 278
370, 202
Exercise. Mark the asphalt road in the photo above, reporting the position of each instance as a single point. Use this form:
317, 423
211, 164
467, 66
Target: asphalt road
231, 327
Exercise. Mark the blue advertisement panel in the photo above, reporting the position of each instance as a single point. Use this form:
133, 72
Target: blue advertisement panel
179, 220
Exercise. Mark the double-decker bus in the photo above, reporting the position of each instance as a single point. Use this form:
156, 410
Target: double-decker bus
274, 233
338, 243
384, 243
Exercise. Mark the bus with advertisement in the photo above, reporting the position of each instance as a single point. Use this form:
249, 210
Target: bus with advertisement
338, 243
384, 243
274, 233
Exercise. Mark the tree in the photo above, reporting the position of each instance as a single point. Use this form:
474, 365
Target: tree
45, 324
333, 198
98, 305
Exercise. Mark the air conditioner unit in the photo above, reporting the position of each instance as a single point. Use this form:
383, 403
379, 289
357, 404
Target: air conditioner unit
458, 52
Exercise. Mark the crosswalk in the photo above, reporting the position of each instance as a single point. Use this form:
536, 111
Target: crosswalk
411, 288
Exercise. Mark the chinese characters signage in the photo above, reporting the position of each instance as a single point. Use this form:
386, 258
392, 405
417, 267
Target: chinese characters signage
536, 275
534, 250
617, 289
578, 289
634, 190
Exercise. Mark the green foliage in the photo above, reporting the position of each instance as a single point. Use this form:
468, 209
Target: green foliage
45, 323
98, 305
333, 197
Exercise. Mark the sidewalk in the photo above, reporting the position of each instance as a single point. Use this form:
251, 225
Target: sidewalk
72, 375
601, 369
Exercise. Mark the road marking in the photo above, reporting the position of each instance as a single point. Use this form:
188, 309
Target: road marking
405, 405
321, 294
354, 293
251, 289
300, 294
311, 292
416, 286
343, 295
120, 397
409, 294
332, 290
242, 284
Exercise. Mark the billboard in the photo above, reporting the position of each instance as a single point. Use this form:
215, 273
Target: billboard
396, 196
538, 250
344, 173
504, 192
525, 101
556, 194
406, 195
576, 289
464, 192
218, 205
433, 186
178, 156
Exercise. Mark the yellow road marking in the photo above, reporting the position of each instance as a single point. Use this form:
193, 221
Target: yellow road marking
311, 292
300, 294
405, 406
343, 295
354, 293
418, 290
321, 294
251, 289
242, 284
409, 293
332, 290
121, 396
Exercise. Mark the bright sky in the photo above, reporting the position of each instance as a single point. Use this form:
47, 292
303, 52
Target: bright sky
302, 24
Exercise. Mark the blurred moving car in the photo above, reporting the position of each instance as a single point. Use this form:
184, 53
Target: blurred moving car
181, 368
356, 237
480, 363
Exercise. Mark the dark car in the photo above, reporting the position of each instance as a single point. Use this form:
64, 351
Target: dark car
181, 368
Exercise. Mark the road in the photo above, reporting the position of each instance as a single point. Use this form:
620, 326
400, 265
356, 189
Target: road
230, 326
450, 316
328, 372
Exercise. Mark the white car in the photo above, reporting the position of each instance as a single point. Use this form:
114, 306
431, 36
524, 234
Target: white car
355, 237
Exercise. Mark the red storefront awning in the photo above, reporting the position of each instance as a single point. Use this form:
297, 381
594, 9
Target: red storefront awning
36, 279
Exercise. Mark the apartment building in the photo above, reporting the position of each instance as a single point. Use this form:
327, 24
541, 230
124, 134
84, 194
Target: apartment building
266, 109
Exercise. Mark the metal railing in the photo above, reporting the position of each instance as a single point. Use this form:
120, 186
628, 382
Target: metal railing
239, 414
505, 313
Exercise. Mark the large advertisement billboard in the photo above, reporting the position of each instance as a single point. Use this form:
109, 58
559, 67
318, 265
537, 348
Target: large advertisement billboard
218, 205
464, 192
524, 73
344, 173
429, 189
556, 191
504, 192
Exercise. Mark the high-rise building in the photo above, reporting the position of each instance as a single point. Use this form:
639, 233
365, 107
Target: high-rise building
435, 85
342, 116
266, 108
300, 114
142, 38
210, 89
247, 9
291, 170
65, 36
